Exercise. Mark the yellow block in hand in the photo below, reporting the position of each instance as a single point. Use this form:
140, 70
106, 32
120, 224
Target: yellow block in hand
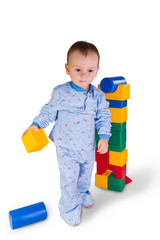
35, 140
118, 158
118, 115
102, 180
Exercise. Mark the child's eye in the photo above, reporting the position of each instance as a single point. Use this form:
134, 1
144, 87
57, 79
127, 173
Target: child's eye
90, 70
77, 70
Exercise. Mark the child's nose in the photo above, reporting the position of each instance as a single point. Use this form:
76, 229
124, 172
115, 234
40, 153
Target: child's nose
83, 75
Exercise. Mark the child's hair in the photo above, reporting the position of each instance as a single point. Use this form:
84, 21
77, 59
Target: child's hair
84, 47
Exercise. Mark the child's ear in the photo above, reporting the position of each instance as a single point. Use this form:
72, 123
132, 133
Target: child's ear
67, 69
97, 71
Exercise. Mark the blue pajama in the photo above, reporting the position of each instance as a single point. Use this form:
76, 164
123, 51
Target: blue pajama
76, 113
75, 179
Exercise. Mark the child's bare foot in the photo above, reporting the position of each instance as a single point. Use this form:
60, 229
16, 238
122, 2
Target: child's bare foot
89, 206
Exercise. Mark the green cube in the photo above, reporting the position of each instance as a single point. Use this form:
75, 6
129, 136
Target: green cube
118, 137
117, 141
118, 126
115, 184
117, 148
118, 131
96, 135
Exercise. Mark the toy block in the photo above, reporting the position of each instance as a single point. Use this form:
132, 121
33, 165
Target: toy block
121, 94
103, 165
117, 148
118, 131
118, 126
102, 180
118, 137
102, 161
117, 104
115, 184
119, 172
27, 215
35, 140
118, 115
118, 158
109, 85
101, 157
127, 180
96, 144
96, 135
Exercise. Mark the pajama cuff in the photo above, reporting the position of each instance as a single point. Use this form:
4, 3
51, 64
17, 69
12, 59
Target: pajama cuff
104, 136
34, 123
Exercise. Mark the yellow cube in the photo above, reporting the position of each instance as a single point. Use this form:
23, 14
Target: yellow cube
35, 140
102, 180
118, 115
122, 93
118, 158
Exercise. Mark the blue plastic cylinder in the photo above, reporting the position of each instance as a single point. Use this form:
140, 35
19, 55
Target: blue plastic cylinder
109, 85
27, 215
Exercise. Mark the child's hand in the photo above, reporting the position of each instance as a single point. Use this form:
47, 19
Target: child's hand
102, 146
29, 128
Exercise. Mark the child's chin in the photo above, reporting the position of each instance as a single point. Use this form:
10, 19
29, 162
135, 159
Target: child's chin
83, 83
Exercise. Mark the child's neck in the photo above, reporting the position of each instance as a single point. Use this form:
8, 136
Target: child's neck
87, 88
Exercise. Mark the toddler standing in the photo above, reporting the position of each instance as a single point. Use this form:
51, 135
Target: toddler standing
77, 107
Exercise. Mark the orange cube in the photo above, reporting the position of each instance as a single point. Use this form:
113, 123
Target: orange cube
35, 140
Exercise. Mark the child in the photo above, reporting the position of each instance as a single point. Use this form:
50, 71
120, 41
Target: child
77, 107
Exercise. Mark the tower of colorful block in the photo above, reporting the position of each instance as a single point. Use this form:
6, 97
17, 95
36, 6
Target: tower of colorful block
111, 167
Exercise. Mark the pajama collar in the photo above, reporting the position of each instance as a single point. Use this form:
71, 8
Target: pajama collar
79, 89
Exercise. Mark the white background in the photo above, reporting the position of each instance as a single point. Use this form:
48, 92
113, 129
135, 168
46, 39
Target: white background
34, 39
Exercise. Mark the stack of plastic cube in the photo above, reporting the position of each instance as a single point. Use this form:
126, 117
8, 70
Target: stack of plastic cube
111, 166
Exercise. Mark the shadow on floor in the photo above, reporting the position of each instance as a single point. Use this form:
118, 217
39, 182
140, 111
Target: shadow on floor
142, 180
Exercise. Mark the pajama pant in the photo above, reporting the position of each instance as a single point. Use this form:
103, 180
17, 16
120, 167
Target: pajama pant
75, 178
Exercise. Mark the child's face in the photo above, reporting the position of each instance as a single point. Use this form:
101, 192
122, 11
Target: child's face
82, 69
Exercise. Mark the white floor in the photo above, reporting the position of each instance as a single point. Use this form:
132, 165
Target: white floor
127, 215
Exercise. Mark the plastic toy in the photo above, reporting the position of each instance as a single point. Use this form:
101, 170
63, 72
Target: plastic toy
110, 84
117, 92
115, 184
118, 115
35, 140
102, 180
27, 215
118, 158
117, 104
122, 93
118, 137
103, 164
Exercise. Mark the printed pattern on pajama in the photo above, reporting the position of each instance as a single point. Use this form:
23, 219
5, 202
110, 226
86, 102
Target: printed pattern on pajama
76, 113
75, 179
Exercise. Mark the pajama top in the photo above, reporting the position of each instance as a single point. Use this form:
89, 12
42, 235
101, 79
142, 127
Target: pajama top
76, 114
